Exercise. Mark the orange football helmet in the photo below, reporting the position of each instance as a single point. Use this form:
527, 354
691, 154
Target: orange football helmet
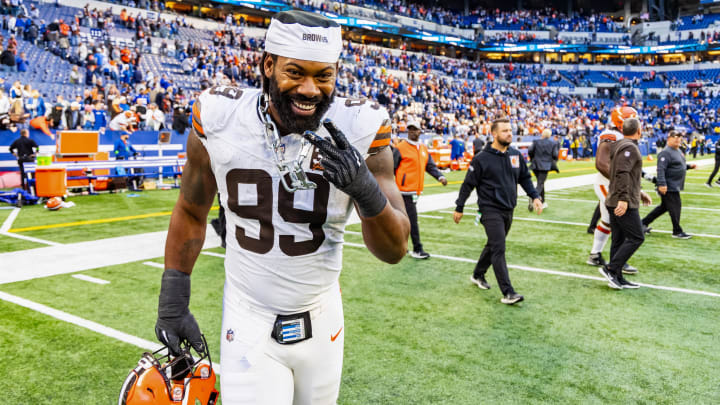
54, 203
620, 113
159, 379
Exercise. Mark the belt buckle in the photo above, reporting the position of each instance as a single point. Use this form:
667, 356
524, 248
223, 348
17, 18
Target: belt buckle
289, 329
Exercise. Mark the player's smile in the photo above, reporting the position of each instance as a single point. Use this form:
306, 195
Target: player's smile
303, 108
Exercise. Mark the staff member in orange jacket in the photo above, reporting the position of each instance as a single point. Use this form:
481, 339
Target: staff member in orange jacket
412, 160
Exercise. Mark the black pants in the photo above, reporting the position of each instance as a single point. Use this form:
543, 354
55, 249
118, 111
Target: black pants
595, 218
497, 225
715, 170
627, 236
541, 176
21, 163
414, 228
670, 203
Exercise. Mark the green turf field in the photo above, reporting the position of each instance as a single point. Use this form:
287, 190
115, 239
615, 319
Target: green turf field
418, 332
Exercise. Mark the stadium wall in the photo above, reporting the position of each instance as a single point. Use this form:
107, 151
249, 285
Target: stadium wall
145, 142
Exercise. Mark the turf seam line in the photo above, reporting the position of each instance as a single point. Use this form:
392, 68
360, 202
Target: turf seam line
156, 265
87, 324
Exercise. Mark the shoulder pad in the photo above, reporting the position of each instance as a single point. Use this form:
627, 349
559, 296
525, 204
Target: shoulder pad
217, 105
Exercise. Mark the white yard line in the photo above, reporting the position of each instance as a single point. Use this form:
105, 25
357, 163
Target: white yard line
30, 238
90, 279
213, 254
84, 323
90, 325
707, 194
552, 272
550, 221
156, 265
429, 216
9, 220
684, 207
704, 235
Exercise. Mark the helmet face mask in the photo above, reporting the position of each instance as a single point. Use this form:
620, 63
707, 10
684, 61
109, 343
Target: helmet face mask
162, 379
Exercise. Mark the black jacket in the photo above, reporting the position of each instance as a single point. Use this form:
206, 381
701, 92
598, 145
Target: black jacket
671, 168
24, 147
7, 58
544, 153
478, 144
495, 175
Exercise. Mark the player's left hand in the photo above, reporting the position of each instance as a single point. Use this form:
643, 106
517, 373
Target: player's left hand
646, 200
457, 216
538, 206
693, 166
345, 168
443, 181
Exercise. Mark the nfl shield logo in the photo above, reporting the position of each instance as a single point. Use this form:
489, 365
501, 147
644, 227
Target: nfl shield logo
230, 335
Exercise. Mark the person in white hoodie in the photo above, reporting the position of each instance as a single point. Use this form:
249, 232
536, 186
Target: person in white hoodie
154, 118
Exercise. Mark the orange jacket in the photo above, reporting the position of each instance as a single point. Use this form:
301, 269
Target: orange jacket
410, 172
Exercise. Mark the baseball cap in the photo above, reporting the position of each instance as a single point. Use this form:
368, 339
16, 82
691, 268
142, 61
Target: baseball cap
412, 122
302, 35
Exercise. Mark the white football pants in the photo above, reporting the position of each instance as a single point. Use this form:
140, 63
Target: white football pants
258, 370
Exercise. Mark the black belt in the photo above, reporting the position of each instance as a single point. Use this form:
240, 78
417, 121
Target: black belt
289, 329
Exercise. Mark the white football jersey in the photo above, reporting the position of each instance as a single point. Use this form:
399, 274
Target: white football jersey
283, 249
610, 135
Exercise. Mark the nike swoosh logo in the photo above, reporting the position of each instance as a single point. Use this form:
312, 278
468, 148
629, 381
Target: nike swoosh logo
332, 338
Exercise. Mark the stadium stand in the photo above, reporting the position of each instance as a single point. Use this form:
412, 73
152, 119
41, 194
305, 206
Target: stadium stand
126, 59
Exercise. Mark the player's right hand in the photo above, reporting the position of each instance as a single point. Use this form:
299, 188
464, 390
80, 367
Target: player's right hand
175, 323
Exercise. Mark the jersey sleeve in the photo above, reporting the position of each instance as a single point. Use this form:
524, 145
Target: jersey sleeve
372, 125
382, 138
197, 120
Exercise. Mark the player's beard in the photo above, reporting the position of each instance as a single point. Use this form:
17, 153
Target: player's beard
292, 122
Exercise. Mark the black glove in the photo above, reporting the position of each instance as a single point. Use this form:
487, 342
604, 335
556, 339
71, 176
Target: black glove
346, 169
175, 323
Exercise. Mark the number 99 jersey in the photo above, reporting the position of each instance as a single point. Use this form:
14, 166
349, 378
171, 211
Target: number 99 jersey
283, 249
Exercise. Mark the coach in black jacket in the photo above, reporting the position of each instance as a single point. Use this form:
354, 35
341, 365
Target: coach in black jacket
671, 169
543, 155
495, 173
717, 165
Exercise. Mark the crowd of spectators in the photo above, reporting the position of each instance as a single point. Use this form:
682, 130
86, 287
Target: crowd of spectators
450, 96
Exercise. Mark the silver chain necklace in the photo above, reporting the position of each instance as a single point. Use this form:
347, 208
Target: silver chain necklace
293, 167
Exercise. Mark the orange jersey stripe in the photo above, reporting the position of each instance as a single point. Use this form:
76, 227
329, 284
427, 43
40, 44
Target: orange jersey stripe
198, 128
603, 190
385, 129
378, 143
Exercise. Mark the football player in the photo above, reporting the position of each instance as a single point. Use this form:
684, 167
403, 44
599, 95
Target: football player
601, 185
290, 161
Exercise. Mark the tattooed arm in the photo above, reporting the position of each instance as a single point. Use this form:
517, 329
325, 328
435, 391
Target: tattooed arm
189, 218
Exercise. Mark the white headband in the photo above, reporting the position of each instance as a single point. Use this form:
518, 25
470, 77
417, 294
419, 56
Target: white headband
300, 37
